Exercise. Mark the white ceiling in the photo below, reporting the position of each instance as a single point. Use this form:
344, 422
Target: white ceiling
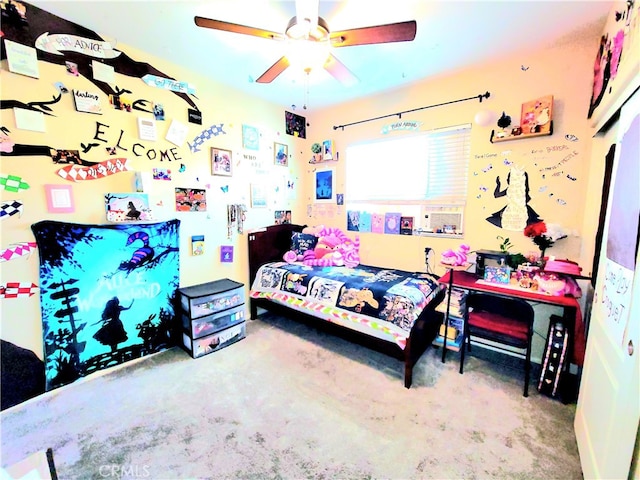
450, 35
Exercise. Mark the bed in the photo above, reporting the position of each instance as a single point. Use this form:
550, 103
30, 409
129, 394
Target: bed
389, 310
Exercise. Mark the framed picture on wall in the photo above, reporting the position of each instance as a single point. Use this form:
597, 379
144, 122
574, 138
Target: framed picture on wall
59, 198
327, 150
221, 162
325, 185
280, 154
250, 137
258, 195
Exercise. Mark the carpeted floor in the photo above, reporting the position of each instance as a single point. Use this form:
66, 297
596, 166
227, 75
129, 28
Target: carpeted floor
281, 405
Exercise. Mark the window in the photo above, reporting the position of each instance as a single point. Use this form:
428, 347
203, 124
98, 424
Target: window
431, 167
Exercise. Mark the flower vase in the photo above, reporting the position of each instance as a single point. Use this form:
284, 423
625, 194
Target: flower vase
542, 258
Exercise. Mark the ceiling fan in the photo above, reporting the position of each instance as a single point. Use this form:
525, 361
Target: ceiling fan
311, 33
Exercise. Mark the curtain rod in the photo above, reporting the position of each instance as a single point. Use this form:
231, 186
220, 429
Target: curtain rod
399, 114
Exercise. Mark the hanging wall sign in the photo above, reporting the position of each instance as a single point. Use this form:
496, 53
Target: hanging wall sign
404, 125
168, 84
57, 42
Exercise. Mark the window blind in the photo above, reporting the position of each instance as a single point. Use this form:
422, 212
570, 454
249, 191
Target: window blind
431, 166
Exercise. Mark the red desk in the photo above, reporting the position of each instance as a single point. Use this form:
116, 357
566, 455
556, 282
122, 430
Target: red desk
570, 306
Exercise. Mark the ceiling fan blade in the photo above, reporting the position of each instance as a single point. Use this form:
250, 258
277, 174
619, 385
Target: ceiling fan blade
274, 70
235, 28
339, 71
393, 32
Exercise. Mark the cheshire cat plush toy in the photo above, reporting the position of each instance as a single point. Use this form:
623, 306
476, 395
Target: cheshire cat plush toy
449, 257
334, 248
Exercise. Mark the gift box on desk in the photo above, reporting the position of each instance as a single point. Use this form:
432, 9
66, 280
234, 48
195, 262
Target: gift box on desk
500, 274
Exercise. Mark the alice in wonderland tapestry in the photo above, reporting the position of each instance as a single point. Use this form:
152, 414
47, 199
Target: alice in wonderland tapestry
107, 294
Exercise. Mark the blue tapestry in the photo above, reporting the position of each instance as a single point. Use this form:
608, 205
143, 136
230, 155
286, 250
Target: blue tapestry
107, 294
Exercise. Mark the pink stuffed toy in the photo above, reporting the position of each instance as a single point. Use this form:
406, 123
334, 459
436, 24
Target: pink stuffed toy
449, 257
334, 248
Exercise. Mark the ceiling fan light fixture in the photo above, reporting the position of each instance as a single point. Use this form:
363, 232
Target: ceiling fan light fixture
306, 30
307, 55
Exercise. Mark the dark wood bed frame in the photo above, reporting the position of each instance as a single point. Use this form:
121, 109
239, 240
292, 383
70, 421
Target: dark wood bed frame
269, 245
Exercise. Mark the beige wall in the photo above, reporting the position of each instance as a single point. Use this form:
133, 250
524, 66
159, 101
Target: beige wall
67, 128
564, 71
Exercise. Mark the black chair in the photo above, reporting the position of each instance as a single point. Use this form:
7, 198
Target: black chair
503, 322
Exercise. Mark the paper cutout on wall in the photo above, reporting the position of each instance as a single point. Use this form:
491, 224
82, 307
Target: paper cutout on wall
17, 289
212, 131
17, 250
103, 169
517, 214
9, 208
12, 183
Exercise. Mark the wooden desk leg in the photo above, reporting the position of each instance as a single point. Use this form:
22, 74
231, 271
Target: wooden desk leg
446, 318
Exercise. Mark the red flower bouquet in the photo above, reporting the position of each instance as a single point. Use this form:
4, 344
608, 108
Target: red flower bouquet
542, 237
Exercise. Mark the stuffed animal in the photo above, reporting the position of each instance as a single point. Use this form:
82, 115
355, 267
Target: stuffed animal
449, 257
333, 248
